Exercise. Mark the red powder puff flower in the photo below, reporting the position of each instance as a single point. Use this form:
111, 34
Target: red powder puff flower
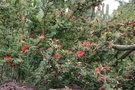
59, 12
99, 67
87, 43
96, 70
80, 53
54, 40
41, 36
127, 75
7, 57
109, 23
23, 19
81, 44
126, 38
132, 24
91, 52
59, 46
101, 78
41, 30
69, 17
24, 48
58, 56
13, 64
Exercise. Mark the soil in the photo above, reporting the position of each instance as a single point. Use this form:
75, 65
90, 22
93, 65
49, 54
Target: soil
9, 85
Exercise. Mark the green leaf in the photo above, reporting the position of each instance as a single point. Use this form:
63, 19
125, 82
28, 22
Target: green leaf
40, 15
35, 2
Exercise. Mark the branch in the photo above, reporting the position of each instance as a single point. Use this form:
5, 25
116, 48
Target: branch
127, 48
124, 47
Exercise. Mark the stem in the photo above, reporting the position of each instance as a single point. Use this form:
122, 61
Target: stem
1, 76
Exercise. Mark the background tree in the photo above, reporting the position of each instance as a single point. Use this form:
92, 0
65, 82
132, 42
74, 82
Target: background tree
125, 12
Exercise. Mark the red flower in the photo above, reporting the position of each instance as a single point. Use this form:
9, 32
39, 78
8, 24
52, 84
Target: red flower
96, 70
58, 56
59, 12
109, 23
127, 75
24, 48
80, 53
126, 38
23, 19
41, 36
67, 69
7, 57
81, 44
13, 64
69, 17
132, 24
101, 78
90, 52
41, 30
99, 67
59, 46
54, 40
87, 43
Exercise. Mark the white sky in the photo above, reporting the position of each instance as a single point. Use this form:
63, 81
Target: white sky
113, 5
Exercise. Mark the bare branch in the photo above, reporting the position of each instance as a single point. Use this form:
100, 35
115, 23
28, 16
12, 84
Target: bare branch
124, 47
128, 48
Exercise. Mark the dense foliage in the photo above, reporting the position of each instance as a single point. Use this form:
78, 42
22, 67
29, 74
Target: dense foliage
52, 44
124, 13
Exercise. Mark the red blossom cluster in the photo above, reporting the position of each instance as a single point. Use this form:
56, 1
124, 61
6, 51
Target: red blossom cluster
109, 23
8, 62
59, 46
128, 75
41, 30
24, 48
85, 44
80, 53
58, 56
41, 36
100, 70
132, 24
7, 57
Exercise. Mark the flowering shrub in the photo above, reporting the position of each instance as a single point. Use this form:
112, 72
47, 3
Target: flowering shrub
50, 47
